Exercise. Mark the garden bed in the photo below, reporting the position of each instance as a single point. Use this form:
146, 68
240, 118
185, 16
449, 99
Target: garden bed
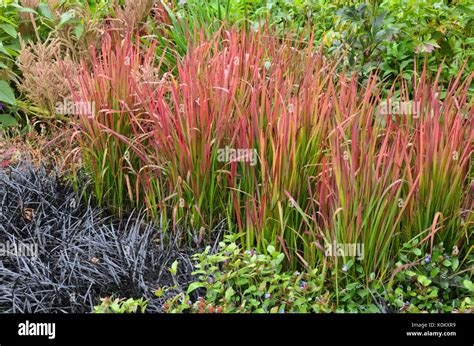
236, 156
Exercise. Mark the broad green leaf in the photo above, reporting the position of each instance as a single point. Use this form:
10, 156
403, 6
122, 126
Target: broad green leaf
447, 263
3, 50
229, 293
9, 29
79, 30
7, 120
469, 285
372, 308
6, 93
280, 258
424, 280
66, 17
434, 272
44, 10
455, 263
270, 249
194, 286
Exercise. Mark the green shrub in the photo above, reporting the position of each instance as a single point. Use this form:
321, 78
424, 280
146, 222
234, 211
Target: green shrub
439, 282
111, 305
388, 35
234, 281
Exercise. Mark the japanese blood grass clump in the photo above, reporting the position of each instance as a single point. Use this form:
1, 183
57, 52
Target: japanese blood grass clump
106, 126
322, 165
242, 91
393, 177
441, 209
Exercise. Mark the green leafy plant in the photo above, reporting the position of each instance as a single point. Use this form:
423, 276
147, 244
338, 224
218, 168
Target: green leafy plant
111, 305
365, 32
434, 30
7, 119
6, 93
436, 282
9, 49
9, 27
234, 280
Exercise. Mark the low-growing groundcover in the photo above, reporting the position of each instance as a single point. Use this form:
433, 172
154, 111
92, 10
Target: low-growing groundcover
234, 280
237, 156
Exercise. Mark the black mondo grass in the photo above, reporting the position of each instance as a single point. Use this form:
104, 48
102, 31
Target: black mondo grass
77, 254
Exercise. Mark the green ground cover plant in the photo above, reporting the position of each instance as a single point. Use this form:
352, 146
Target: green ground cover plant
244, 281
111, 305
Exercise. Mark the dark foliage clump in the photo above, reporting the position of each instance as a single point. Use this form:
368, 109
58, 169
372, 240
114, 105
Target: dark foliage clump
82, 254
